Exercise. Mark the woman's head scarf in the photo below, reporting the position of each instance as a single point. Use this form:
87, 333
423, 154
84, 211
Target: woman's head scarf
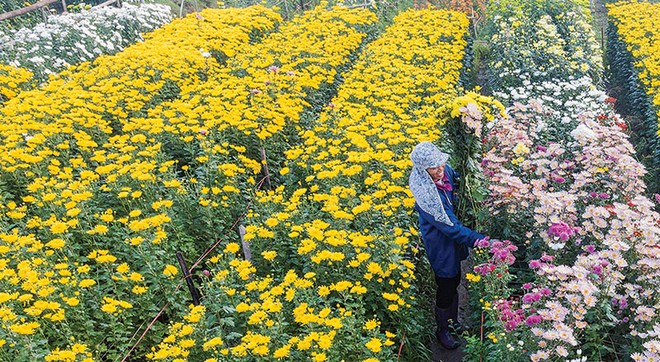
427, 155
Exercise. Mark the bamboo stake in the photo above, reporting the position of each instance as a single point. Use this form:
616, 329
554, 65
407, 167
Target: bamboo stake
265, 163
27, 9
246, 244
188, 277
108, 3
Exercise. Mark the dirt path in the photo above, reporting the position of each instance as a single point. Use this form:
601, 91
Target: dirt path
442, 355
599, 22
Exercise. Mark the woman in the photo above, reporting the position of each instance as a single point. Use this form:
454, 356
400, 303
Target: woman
446, 240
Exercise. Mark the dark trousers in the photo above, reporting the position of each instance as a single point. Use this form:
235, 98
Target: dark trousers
446, 290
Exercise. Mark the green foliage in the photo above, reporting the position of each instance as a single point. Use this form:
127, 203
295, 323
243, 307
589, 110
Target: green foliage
633, 101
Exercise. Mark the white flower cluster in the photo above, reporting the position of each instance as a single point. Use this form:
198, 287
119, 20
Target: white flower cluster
536, 49
565, 97
77, 37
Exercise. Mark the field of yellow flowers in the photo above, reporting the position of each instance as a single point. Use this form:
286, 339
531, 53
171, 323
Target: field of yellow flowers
80, 194
272, 158
343, 206
115, 165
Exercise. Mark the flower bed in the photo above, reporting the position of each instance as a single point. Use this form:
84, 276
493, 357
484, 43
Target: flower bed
536, 41
114, 208
73, 38
589, 240
263, 96
289, 302
89, 102
563, 184
89, 229
632, 51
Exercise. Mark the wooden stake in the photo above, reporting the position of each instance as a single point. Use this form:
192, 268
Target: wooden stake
106, 3
188, 277
403, 340
246, 244
265, 163
27, 9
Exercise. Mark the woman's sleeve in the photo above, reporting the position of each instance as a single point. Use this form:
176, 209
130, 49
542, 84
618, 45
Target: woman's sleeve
458, 232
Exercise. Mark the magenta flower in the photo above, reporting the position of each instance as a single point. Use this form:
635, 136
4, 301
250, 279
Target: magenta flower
482, 243
533, 319
527, 286
603, 195
604, 262
485, 269
511, 318
598, 270
503, 252
535, 264
657, 197
561, 231
546, 257
530, 298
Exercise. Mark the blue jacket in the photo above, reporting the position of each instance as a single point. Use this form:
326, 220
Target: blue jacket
446, 245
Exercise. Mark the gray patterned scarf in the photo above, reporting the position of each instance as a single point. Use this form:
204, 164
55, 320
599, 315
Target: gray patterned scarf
427, 155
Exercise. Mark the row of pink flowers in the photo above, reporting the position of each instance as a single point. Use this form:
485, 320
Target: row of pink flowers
579, 195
